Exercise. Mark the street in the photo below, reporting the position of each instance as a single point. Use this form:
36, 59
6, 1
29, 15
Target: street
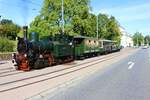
124, 80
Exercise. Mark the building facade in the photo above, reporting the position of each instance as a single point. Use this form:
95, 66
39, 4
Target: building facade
126, 39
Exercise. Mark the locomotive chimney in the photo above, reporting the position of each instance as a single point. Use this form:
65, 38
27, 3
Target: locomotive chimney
25, 32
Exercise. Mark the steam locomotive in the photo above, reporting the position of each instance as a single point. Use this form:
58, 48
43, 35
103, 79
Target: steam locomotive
33, 53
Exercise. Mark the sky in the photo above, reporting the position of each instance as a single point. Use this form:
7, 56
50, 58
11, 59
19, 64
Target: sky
133, 15
21, 12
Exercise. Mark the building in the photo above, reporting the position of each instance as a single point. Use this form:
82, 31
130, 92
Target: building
126, 39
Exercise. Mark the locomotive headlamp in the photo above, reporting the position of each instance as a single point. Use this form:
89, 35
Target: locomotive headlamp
13, 55
70, 43
41, 56
25, 55
17, 38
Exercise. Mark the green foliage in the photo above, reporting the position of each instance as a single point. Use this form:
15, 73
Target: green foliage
103, 23
78, 20
109, 28
8, 29
138, 38
6, 45
6, 21
76, 14
147, 40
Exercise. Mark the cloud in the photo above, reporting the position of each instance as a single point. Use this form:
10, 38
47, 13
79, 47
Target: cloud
133, 17
129, 13
130, 8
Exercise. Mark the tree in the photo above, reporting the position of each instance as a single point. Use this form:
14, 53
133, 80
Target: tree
91, 26
113, 30
147, 40
76, 14
78, 20
9, 29
103, 23
6, 21
138, 38
109, 28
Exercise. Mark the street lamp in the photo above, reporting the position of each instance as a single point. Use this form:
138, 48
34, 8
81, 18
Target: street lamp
62, 11
97, 25
0, 19
137, 42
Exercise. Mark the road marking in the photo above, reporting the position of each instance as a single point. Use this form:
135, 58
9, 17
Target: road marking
130, 64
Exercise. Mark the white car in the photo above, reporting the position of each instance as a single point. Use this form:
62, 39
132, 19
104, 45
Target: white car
145, 47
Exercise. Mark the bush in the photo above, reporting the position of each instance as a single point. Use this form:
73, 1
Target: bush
6, 45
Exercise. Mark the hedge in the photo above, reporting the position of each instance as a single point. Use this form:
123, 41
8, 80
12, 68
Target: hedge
6, 45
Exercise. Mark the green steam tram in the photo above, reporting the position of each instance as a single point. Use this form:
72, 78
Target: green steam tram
33, 53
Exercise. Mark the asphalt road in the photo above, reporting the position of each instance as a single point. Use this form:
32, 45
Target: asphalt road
129, 79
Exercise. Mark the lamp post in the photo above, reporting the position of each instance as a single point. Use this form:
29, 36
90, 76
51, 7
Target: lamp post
97, 25
137, 41
62, 11
0, 19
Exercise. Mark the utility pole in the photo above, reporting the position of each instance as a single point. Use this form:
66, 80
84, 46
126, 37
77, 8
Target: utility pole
62, 11
0, 19
97, 25
137, 41
147, 43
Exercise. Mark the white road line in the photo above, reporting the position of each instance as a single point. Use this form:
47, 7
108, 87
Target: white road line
130, 64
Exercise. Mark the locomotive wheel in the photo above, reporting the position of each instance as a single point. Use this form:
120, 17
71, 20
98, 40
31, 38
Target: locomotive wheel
70, 59
50, 60
39, 64
59, 61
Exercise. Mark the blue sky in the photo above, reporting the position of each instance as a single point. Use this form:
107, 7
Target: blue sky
133, 15
21, 12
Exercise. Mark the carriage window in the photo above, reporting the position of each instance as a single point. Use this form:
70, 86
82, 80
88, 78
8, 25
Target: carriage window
100, 44
78, 40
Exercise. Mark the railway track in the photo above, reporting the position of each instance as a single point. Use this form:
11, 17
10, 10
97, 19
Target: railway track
1, 62
2, 69
10, 74
70, 70
15, 72
7, 71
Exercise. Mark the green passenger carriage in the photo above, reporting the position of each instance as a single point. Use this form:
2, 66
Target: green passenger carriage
86, 47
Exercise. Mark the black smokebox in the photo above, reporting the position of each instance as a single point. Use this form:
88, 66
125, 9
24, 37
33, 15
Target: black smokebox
25, 32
